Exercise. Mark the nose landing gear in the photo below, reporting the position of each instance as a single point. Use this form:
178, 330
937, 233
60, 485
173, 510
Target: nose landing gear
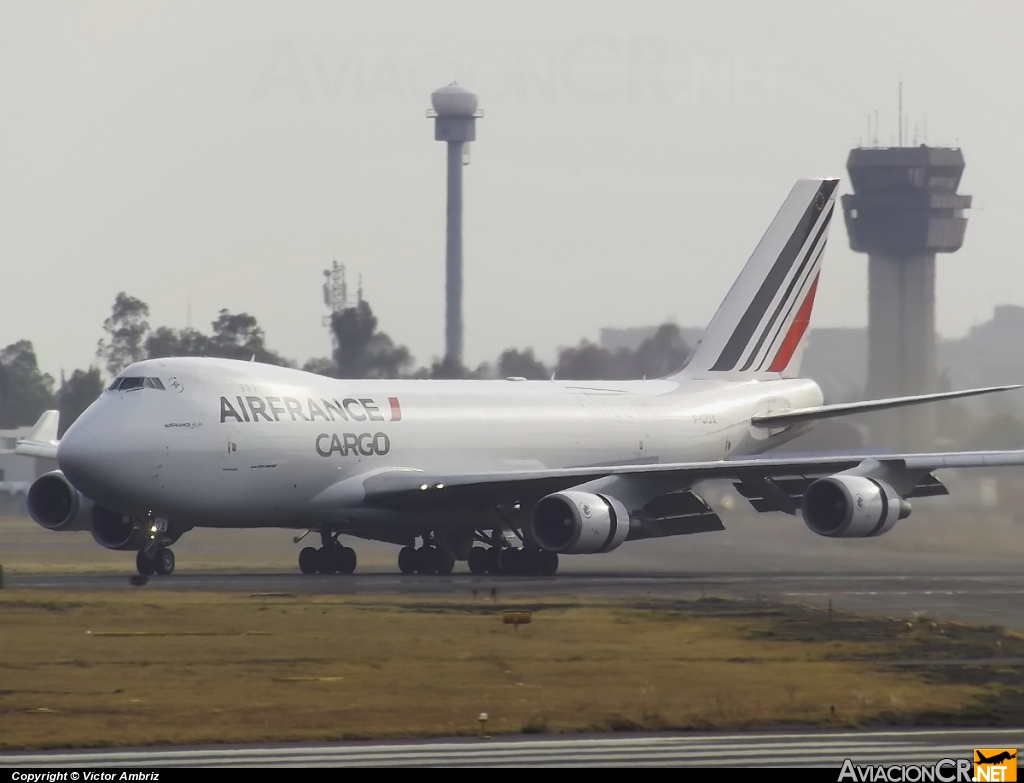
161, 561
155, 557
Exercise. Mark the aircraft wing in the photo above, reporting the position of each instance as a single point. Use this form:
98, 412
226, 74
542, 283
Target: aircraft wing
800, 415
42, 441
406, 489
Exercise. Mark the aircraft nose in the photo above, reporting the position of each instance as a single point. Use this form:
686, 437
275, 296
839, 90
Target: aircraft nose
77, 456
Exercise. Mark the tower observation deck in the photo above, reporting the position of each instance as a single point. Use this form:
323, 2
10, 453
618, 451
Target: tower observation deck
903, 211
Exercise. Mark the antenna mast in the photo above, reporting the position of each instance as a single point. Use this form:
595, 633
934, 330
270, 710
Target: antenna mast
900, 107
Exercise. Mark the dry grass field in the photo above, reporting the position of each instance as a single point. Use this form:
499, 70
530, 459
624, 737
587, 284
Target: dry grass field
137, 667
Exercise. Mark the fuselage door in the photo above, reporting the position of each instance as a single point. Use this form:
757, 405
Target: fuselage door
230, 458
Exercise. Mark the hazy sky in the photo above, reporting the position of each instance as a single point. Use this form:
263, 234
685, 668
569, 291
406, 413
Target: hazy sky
630, 156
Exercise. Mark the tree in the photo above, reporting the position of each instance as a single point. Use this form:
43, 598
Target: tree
127, 329
234, 337
590, 362
166, 342
240, 337
25, 392
362, 351
514, 363
321, 366
76, 394
663, 353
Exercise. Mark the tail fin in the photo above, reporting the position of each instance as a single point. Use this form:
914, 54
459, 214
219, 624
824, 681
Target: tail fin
760, 328
42, 441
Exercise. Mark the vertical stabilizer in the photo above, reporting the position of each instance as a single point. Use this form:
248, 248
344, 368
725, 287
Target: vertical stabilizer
760, 328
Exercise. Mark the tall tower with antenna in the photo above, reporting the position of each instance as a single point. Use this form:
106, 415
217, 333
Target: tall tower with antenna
904, 210
336, 296
455, 114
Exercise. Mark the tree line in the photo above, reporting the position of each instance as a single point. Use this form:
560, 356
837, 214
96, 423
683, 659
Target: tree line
361, 350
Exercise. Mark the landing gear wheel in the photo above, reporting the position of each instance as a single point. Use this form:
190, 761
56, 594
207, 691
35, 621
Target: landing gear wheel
164, 562
529, 562
445, 563
144, 563
547, 562
407, 560
478, 560
427, 561
308, 560
494, 560
346, 557
326, 560
509, 562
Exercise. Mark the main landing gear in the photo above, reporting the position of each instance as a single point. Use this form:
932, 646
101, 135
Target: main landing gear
427, 559
510, 561
331, 558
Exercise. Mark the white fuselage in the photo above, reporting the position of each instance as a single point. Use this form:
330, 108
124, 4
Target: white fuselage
231, 444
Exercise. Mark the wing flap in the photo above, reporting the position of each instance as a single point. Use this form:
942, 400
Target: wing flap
675, 514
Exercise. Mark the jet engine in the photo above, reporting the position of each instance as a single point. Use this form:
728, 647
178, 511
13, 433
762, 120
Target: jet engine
578, 523
56, 505
852, 507
114, 531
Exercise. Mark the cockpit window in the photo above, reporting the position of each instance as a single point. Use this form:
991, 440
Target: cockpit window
132, 383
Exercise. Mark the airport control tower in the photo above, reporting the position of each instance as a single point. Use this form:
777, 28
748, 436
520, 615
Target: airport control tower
904, 209
455, 114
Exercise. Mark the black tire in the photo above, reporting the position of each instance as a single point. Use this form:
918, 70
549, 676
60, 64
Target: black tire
346, 560
164, 562
326, 560
308, 560
547, 562
478, 561
529, 562
407, 560
144, 564
508, 562
494, 560
445, 563
427, 560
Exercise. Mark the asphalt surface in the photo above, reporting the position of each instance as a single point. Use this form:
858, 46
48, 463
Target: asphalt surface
986, 599
790, 749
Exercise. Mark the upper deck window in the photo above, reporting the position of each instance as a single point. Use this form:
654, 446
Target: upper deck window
132, 383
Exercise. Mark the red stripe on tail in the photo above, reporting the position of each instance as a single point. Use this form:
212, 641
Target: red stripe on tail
796, 331
396, 411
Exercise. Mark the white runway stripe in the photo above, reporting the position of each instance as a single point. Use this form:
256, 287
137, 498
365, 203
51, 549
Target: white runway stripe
759, 750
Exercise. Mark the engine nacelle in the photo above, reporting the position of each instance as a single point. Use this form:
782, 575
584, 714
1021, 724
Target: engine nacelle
115, 531
579, 523
56, 505
852, 507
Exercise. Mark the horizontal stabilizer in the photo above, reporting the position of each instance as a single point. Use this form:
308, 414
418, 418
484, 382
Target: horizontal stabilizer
42, 441
800, 415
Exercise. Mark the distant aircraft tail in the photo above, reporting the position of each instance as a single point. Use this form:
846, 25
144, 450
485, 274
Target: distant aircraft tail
760, 328
42, 441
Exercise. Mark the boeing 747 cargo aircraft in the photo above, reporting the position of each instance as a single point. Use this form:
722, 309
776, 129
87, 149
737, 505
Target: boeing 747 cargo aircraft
505, 474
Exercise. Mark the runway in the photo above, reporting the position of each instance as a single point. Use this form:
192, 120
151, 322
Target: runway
791, 749
986, 599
